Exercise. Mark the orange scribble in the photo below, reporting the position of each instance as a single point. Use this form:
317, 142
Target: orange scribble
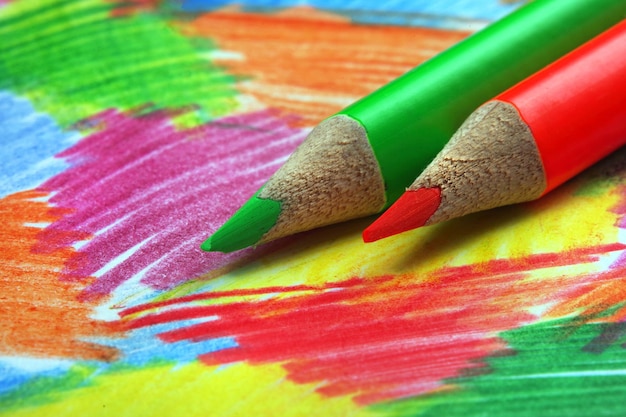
39, 314
593, 300
306, 62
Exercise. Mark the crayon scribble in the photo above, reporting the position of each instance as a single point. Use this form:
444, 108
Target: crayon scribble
132, 129
351, 339
446, 14
149, 193
289, 57
29, 142
93, 62
546, 372
39, 314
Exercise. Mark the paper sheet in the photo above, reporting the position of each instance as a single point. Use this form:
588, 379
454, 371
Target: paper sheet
131, 130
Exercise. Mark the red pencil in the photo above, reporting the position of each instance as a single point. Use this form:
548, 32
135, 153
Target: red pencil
525, 142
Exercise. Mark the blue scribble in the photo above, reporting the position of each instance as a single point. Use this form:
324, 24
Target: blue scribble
29, 141
449, 14
143, 346
15, 371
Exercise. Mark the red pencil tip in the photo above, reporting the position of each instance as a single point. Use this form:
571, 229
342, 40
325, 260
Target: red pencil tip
412, 210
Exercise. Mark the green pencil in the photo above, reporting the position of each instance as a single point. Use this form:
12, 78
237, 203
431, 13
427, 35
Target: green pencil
359, 161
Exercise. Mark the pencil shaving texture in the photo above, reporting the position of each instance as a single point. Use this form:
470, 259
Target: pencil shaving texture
491, 161
334, 165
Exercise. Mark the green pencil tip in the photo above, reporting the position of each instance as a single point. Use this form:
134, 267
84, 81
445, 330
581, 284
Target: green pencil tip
246, 227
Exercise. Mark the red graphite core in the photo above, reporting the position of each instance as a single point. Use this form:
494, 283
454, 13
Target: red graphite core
412, 210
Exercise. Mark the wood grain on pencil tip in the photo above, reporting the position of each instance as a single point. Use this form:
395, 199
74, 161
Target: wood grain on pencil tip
527, 141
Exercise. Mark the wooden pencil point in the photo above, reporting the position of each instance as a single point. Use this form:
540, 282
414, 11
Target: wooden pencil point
334, 164
491, 161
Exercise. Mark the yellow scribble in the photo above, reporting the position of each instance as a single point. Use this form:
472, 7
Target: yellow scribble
197, 390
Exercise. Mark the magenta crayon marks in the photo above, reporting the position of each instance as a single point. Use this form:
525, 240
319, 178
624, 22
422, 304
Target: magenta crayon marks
149, 193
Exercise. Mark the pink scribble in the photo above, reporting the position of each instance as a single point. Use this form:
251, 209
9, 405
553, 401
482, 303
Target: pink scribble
149, 193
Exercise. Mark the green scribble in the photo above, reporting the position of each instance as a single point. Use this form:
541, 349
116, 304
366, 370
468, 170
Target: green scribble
46, 389
41, 390
554, 368
73, 59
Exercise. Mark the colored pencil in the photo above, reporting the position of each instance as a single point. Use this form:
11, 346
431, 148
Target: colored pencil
359, 161
526, 141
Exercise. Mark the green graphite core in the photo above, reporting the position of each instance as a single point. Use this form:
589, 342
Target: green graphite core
246, 227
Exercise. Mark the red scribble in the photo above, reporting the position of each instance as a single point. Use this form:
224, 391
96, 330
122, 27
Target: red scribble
380, 338
240, 293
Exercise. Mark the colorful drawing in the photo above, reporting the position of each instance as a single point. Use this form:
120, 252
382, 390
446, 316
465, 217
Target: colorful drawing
131, 130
